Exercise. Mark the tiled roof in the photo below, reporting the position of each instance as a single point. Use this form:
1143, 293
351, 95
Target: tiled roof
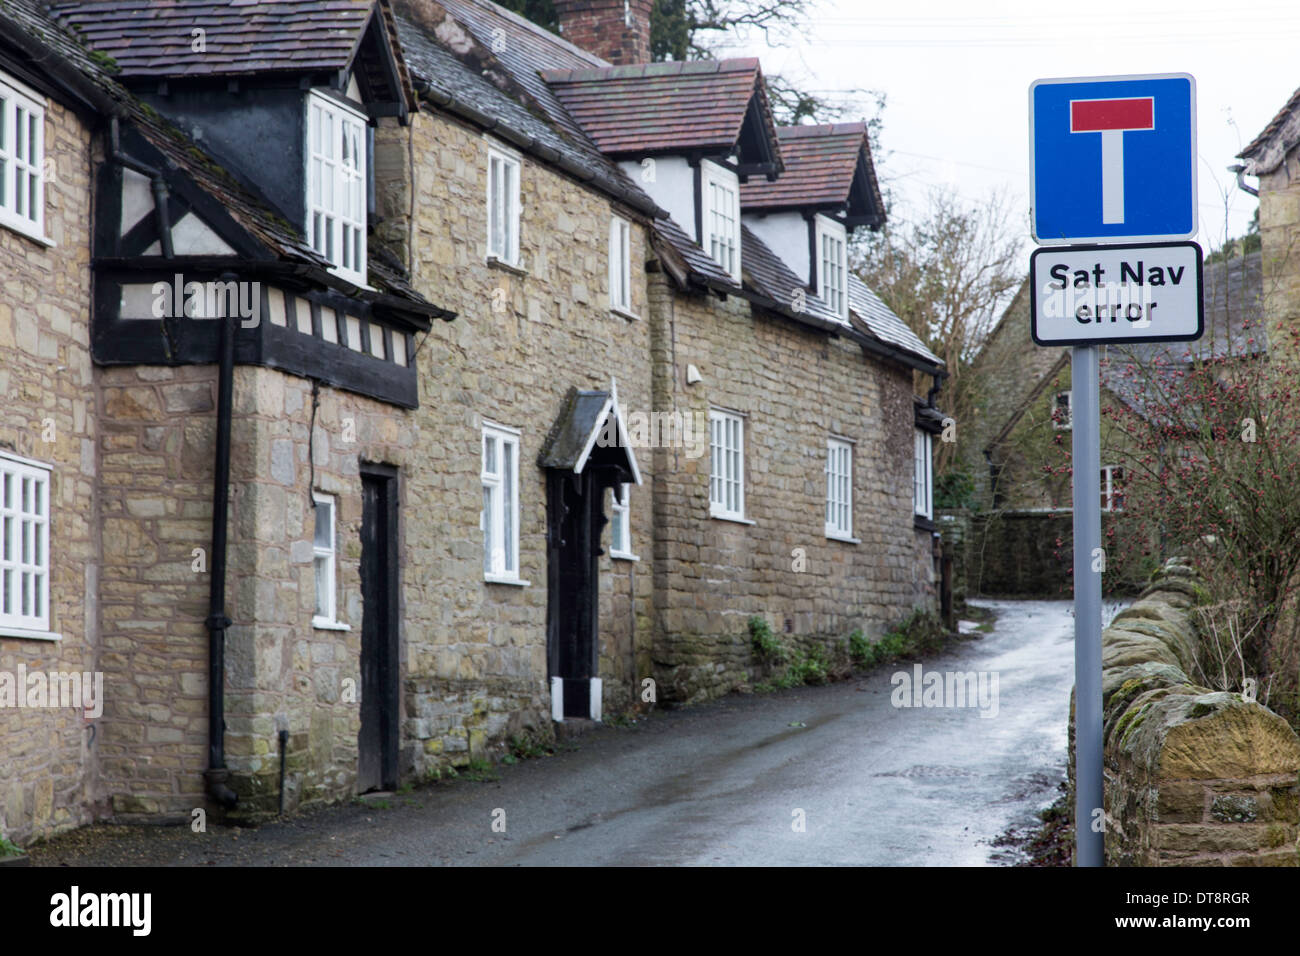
820, 162
450, 81
181, 154
1267, 149
241, 37
884, 323
657, 106
705, 271
771, 278
1234, 327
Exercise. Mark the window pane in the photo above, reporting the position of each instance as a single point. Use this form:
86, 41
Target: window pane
488, 527
321, 567
489, 455
324, 518
508, 512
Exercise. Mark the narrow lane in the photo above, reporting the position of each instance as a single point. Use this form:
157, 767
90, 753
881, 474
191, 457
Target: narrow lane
720, 784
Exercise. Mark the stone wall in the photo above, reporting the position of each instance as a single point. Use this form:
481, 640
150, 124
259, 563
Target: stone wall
48, 414
1194, 777
795, 387
1279, 227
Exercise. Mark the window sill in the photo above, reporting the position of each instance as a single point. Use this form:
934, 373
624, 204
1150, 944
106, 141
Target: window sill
624, 556
30, 635
321, 624
847, 539
922, 523
506, 579
515, 270
625, 313
736, 519
39, 238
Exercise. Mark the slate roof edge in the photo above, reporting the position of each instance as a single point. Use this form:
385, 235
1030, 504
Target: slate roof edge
448, 101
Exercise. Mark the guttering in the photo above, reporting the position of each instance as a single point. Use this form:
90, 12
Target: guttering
882, 350
535, 147
216, 775
1240, 170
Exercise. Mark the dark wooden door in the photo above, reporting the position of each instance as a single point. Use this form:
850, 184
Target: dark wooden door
377, 741
576, 516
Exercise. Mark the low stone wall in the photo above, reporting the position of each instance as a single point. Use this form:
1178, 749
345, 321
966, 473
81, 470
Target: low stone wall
1194, 777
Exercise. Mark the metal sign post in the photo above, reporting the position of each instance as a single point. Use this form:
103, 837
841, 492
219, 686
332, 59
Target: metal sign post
1113, 178
1085, 412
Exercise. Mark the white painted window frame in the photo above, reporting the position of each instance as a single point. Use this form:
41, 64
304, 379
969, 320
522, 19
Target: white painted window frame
25, 560
727, 185
498, 487
1108, 485
727, 465
1068, 424
922, 480
503, 174
620, 525
839, 489
832, 277
336, 192
22, 162
329, 556
620, 265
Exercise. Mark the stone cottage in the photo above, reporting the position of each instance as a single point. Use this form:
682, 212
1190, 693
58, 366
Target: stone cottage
370, 404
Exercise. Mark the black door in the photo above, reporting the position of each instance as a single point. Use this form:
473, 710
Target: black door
577, 517
377, 742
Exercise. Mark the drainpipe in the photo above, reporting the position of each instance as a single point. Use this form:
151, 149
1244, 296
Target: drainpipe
156, 183
1240, 170
216, 775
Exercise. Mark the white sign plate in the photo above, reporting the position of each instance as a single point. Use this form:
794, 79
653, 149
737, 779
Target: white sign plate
1102, 294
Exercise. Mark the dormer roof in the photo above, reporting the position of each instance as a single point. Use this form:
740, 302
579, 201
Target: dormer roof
155, 40
828, 168
708, 107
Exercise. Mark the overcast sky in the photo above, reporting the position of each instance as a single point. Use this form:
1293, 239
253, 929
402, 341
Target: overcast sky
956, 76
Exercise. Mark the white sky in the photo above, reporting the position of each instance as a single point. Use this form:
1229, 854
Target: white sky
956, 76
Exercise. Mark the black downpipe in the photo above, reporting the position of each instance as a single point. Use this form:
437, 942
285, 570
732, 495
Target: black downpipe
284, 745
217, 774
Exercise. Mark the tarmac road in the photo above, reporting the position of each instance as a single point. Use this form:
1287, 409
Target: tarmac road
717, 784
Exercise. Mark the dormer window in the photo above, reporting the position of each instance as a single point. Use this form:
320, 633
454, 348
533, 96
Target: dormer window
336, 185
832, 265
720, 217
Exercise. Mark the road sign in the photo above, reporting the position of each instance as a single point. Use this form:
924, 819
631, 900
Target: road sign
1108, 294
1113, 159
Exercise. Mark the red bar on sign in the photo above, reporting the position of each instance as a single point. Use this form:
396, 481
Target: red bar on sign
1093, 116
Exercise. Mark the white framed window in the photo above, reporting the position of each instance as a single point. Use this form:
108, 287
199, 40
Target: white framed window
24, 547
22, 159
839, 488
922, 499
620, 265
720, 193
1112, 488
832, 264
620, 523
336, 185
500, 516
503, 207
325, 560
1063, 412
727, 465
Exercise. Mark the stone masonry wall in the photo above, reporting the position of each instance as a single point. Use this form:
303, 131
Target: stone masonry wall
796, 387
476, 651
1279, 227
1194, 777
47, 414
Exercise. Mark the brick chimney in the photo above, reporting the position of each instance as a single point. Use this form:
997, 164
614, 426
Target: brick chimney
615, 30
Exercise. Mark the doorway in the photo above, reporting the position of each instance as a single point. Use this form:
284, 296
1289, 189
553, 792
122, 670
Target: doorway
380, 667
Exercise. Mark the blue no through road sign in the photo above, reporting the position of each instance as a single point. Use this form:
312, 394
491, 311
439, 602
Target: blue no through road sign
1113, 159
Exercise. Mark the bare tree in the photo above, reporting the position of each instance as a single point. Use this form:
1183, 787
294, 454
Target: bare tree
948, 274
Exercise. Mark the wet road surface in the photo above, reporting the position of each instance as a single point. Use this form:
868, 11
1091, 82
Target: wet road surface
717, 784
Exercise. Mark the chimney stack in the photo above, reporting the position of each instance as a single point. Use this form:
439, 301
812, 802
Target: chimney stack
614, 30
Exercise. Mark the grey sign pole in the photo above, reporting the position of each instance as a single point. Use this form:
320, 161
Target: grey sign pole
1088, 561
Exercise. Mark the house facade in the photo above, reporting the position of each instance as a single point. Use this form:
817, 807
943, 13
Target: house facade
405, 406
